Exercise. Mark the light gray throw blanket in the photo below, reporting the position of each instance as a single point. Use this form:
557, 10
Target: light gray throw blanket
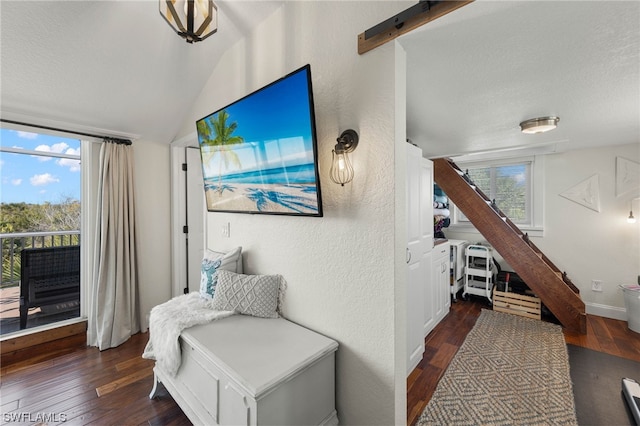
167, 321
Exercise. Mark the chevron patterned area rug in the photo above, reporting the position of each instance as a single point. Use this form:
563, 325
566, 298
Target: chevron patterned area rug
510, 370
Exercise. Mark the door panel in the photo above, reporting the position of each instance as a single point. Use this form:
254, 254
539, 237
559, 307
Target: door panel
196, 209
420, 311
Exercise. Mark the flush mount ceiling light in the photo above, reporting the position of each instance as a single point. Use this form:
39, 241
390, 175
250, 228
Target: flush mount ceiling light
539, 125
193, 20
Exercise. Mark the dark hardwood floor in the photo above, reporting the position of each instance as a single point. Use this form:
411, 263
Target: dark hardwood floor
603, 335
86, 386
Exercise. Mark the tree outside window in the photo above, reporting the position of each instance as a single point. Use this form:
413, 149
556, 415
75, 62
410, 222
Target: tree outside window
509, 185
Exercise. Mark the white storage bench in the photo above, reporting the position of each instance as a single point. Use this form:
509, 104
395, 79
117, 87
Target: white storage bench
243, 370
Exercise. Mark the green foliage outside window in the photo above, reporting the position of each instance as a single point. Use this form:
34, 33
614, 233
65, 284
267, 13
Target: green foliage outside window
508, 185
22, 217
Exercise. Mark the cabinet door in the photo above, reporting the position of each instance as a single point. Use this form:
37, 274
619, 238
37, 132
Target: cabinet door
446, 286
235, 407
440, 280
442, 284
436, 281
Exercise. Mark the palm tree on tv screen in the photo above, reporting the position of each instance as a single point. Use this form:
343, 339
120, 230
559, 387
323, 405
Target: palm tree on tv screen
222, 143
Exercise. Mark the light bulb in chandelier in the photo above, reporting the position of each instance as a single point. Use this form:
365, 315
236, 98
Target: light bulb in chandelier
193, 20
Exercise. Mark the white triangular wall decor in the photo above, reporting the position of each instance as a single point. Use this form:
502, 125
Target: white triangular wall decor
627, 176
586, 193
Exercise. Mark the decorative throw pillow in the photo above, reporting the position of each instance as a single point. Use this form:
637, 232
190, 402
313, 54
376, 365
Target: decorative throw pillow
214, 261
255, 295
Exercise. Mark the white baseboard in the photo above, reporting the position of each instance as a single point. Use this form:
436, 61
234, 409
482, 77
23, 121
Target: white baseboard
606, 311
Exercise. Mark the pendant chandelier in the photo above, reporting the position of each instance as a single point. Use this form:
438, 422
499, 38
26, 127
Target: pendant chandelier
193, 20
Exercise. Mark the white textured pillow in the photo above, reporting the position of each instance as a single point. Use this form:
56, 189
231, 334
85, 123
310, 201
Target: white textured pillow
214, 261
255, 295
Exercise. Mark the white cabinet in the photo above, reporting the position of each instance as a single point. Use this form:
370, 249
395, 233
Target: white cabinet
440, 282
420, 313
244, 370
428, 297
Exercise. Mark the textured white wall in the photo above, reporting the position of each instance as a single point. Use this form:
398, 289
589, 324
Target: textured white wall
401, 231
152, 183
588, 244
339, 268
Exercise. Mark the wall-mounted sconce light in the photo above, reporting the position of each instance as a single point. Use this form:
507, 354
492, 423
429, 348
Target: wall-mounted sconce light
539, 125
632, 219
341, 168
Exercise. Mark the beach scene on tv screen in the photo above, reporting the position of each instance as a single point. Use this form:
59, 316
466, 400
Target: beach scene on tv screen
257, 154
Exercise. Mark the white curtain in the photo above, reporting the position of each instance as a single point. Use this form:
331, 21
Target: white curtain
113, 301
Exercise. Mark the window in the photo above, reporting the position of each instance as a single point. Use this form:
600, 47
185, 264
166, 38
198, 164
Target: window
39, 208
509, 186
513, 186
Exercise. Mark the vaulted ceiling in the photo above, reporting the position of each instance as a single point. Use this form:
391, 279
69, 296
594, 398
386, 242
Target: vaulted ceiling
113, 65
472, 75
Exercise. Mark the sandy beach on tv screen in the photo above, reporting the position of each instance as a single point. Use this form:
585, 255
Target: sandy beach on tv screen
263, 198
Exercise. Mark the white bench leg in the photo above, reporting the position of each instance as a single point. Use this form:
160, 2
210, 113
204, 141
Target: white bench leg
154, 390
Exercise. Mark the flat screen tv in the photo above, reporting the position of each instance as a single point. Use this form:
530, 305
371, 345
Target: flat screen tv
259, 154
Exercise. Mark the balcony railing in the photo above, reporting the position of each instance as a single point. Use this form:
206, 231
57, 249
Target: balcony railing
12, 245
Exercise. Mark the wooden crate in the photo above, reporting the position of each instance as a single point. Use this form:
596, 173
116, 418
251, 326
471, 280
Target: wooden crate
517, 304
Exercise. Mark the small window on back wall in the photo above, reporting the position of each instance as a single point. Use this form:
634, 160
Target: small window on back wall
509, 184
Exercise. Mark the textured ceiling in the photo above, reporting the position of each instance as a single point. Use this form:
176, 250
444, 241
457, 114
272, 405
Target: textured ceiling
475, 74
112, 65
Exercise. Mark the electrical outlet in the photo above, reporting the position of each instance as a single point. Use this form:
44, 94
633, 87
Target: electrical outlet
596, 285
